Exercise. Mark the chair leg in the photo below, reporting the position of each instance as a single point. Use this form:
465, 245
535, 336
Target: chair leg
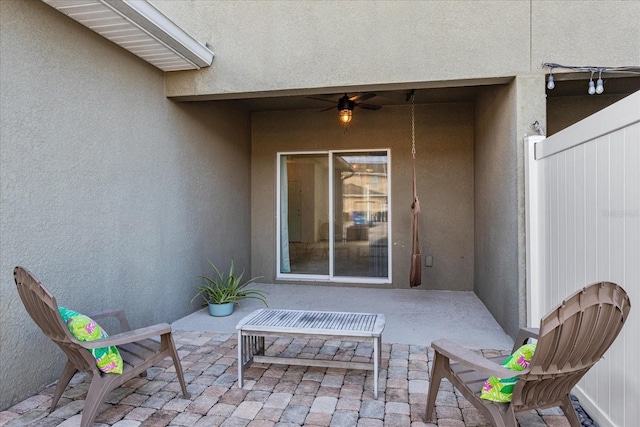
67, 373
176, 362
98, 391
567, 407
440, 365
503, 419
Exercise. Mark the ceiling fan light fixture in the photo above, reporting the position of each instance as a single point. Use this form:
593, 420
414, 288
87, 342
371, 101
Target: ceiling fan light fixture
345, 107
346, 115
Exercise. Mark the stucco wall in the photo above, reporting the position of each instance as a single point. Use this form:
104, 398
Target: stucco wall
112, 195
503, 115
563, 112
496, 232
285, 45
444, 143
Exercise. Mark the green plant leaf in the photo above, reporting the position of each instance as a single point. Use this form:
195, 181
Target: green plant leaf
226, 288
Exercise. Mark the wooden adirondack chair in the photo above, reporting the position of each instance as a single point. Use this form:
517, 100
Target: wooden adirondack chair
138, 351
571, 339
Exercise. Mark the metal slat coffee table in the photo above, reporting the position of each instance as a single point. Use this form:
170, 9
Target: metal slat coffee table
359, 327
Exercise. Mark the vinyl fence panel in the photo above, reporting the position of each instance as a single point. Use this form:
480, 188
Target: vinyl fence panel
583, 213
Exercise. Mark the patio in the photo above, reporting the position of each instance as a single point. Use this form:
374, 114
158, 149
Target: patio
276, 395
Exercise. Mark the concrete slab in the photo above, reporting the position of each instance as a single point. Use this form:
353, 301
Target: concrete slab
413, 316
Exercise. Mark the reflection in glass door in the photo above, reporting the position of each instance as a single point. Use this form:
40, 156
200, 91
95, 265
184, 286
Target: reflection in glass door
361, 208
333, 216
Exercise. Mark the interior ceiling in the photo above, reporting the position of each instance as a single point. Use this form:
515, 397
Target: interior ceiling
576, 86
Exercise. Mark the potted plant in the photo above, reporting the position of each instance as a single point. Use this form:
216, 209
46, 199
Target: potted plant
222, 291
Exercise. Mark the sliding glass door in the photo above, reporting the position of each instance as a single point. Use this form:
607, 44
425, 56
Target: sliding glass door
333, 216
304, 207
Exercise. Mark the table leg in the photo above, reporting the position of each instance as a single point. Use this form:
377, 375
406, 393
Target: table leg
240, 359
376, 365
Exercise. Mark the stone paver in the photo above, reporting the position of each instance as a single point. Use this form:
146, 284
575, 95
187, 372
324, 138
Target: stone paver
69, 409
325, 405
295, 414
274, 395
140, 414
186, 419
372, 409
370, 422
247, 410
127, 423
344, 419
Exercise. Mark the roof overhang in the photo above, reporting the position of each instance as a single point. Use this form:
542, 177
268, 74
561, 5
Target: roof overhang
140, 28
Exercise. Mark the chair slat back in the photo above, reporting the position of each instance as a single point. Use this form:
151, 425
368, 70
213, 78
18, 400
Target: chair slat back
573, 337
43, 309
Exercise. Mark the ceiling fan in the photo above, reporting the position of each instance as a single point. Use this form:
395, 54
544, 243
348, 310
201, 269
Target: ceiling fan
347, 103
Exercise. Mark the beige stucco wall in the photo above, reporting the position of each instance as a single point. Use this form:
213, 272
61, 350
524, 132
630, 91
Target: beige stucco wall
495, 240
576, 32
112, 195
563, 112
288, 46
503, 115
444, 144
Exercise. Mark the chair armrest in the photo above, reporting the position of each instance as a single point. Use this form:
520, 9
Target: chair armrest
119, 314
523, 336
473, 360
129, 336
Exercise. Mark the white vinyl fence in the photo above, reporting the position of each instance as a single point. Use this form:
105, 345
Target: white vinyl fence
583, 226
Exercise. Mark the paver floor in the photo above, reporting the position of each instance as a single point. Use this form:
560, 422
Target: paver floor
273, 395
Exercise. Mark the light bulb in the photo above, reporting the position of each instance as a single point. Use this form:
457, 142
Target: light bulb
592, 88
346, 115
551, 84
599, 86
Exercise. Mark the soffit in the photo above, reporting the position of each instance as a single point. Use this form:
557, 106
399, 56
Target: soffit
141, 29
382, 98
455, 92
424, 93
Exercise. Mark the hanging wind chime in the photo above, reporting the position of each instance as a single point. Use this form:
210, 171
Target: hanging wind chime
415, 277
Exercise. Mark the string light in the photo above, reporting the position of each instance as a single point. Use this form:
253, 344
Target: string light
593, 88
599, 84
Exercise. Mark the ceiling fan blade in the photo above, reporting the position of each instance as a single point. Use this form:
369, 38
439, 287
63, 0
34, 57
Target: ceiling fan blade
317, 98
327, 109
368, 106
362, 97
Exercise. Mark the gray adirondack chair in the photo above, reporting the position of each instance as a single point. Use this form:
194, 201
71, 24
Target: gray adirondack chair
138, 351
571, 339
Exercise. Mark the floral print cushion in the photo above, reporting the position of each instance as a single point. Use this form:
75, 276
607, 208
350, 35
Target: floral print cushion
83, 328
501, 389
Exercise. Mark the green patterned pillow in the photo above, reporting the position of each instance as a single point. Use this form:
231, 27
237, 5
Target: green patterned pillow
501, 389
83, 328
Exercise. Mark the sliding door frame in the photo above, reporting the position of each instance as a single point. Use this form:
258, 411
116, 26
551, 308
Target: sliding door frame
278, 223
